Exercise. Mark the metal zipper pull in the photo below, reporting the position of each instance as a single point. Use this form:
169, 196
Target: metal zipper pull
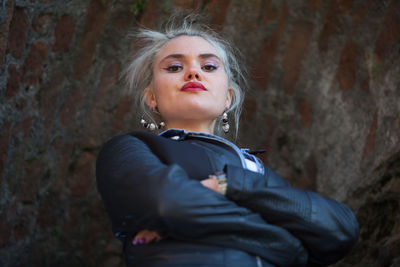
259, 262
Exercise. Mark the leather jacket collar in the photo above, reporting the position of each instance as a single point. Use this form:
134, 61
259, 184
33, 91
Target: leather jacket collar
244, 154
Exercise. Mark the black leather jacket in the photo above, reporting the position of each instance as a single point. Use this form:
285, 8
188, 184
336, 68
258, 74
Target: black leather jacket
152, 182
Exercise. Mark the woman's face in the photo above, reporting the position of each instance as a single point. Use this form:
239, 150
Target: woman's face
189, 81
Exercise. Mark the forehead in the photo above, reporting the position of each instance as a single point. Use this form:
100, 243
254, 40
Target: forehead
186, 45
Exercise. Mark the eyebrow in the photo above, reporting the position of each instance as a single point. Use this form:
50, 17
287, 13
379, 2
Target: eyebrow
179, 56
203, 56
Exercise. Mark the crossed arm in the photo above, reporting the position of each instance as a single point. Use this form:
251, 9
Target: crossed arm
327, 228
286, 227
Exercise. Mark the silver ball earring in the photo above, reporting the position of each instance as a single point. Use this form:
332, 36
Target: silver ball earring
225, 124
151, 126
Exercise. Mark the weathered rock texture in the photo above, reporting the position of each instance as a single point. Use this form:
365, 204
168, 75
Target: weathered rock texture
324, 101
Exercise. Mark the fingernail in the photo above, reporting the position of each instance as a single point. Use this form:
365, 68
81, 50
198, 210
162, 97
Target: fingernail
138, 241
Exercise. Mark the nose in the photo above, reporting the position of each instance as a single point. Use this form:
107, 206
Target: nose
192, 74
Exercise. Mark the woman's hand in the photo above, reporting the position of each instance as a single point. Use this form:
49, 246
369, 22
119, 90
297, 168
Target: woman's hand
212, 183
145, 237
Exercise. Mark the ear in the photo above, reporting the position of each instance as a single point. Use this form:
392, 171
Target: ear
228, 101
150, 98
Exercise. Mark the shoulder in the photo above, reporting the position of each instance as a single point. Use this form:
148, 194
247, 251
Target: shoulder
126, 151
128, 139
125, 146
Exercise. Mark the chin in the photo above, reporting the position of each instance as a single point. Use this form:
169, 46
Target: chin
195, 113
203, 111
203, 106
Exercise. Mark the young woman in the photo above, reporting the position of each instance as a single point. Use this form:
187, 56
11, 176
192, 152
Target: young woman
188, 197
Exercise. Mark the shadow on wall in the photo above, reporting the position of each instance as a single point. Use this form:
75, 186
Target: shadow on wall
378, 214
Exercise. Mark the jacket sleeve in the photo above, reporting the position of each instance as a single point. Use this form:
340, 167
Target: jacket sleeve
140, 192
327, 228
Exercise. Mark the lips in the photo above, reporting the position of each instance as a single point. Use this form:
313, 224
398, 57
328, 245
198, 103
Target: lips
193, 87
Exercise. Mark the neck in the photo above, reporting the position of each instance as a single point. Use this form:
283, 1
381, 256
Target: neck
192, 126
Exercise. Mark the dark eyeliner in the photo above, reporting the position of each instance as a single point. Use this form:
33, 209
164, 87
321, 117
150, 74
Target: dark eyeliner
176, 67
207, 67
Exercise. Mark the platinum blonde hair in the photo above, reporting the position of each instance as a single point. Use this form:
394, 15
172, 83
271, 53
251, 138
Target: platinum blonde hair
139, 73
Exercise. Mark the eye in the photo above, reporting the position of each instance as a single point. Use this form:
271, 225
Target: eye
174, 68
209, 67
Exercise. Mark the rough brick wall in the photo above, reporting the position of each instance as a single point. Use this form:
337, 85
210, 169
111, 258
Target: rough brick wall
324, 102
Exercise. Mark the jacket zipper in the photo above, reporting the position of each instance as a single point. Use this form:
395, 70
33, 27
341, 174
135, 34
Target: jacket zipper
259, 263
239, 153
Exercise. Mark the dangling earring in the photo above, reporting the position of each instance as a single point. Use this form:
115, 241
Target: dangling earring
151, 126
225, 124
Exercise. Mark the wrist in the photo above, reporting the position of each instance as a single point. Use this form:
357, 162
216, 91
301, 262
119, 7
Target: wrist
222, 181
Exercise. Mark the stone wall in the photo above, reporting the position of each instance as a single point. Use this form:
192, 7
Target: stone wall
324, 101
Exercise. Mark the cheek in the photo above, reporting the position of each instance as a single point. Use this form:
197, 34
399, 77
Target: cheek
165, 89
223, 87
163, 84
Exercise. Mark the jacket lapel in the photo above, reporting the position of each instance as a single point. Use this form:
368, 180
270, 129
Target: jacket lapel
193, 159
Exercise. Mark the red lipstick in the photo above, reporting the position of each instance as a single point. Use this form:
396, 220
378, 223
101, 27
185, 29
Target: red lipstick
193, 87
